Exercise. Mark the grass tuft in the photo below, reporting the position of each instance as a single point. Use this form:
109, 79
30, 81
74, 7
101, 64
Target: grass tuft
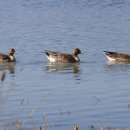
19, 127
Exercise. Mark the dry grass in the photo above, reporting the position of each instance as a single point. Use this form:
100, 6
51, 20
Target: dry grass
19, 127
75, 127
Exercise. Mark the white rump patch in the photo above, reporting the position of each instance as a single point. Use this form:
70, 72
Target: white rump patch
51, 59
110, 59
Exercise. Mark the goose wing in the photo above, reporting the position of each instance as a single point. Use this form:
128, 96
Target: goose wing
4, 57
57, 56
66, 58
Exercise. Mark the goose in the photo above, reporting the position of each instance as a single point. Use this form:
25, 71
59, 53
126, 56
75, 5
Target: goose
8, 57
63, 57
117, 57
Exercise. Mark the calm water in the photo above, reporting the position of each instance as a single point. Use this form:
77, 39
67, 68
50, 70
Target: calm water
91, 92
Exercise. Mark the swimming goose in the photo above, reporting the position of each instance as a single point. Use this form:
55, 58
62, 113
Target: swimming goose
62, 57
8, 57
119, 57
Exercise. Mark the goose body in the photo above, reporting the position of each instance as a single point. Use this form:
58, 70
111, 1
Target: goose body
115, 56
63, 57
8, 57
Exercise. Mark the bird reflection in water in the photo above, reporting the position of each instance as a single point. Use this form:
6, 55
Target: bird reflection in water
5, 89
63, 67
8, 66
118, 63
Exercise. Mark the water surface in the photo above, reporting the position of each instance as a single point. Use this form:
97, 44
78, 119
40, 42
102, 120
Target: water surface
91, 92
